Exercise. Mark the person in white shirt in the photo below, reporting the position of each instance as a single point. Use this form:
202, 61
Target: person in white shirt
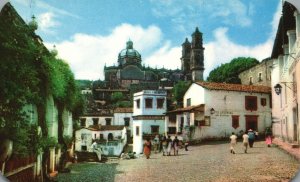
233, 138
245, 141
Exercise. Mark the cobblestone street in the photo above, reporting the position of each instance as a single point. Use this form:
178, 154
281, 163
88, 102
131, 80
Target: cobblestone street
206, 162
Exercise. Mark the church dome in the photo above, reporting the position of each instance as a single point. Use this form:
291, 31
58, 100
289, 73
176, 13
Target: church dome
129, 55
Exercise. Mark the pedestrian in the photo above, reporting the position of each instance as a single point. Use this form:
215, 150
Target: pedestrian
156, 144
268, 136
245, 141
160, 143
147, 148
164, 145
175, 145
251, 135
169, 145
186, 144
233, 138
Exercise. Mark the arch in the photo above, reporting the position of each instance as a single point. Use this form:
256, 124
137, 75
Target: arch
110, 136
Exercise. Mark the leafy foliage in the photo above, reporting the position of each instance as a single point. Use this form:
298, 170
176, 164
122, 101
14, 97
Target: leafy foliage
28, 74
179, 90
229, 72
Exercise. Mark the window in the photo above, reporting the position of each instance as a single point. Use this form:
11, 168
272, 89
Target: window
259, 77
205, 122
172, 130
263, 101
250, 80
138, 103
126, 121
101, 137
160, 103
188, 102
251, 103
95, 136
148, 103
108, 121
235, 121
154, 129
82, 122
110, 136
95, 121
137, 130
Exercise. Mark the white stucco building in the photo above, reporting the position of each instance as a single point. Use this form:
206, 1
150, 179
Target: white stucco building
214, 110
148, 116
286, 75
111, 139
88, 120
123, 116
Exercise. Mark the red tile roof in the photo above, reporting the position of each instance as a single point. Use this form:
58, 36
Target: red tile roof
234, 87
199, 107
105, 127
123, 110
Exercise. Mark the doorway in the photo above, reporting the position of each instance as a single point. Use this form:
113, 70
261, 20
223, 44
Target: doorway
251, 122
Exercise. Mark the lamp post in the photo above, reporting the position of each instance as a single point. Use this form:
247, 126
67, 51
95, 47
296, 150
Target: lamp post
277, 88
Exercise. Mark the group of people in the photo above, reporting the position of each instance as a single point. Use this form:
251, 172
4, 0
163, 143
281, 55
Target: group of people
165, 144
249, 138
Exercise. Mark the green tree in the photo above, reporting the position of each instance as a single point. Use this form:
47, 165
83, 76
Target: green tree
229, 72
179, 90
117, 96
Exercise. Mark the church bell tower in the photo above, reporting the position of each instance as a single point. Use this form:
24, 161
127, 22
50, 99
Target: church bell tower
197, 56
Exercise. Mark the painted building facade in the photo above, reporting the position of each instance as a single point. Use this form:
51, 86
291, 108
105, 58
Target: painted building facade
148, 116
214, 110
110, 139
286, 75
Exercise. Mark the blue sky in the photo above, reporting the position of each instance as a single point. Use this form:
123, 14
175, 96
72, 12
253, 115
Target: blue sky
90, 34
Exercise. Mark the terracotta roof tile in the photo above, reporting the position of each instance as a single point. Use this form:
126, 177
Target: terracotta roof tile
199, 107
234, 87
105, 127
123, 110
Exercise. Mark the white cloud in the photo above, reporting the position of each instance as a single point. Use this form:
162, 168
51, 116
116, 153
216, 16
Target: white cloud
87, 54
166, 56
47, 22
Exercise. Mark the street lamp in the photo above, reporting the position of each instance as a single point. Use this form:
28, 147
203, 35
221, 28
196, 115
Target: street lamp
277, 88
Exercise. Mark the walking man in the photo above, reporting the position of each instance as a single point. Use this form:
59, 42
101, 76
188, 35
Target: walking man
175, 145
251, 135
245, 141
233, 138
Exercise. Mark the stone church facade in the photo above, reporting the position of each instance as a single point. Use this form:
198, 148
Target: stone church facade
130, 75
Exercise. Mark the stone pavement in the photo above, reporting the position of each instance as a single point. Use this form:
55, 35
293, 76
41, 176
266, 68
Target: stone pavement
205, 162
295, 152
212, 162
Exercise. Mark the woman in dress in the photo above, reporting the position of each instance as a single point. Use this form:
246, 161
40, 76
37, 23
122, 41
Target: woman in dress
268, 137
147, 148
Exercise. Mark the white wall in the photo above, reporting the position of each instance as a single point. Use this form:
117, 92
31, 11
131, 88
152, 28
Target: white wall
90, 136
225, 104
137, 139
101, 121
195, 93
119, 120
149, 111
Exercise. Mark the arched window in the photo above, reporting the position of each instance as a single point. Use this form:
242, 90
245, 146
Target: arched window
110, 136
